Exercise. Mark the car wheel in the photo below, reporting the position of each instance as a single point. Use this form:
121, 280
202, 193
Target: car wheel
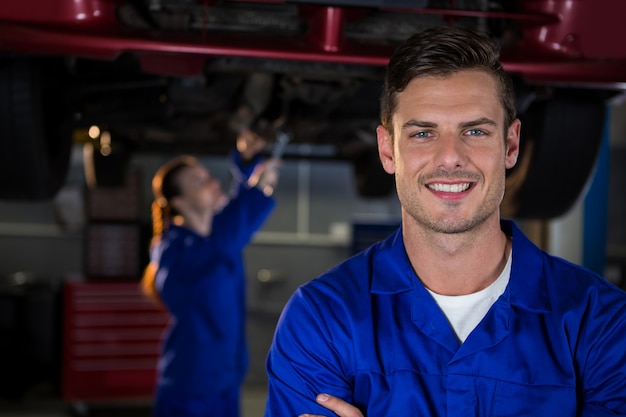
34, 146
560, 141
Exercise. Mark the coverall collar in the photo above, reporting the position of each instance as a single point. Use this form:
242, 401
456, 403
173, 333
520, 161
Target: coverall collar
527, 287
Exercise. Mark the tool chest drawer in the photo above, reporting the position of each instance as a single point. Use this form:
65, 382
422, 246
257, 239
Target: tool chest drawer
111, 341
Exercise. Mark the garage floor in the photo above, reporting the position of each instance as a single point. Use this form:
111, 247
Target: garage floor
42, 404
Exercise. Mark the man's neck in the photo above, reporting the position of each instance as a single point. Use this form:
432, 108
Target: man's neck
460, 263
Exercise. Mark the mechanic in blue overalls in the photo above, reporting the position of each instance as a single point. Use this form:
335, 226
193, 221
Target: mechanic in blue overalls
457, 313
196, 272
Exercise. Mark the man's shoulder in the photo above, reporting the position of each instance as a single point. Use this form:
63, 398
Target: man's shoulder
358, 273
354, 271
575, 277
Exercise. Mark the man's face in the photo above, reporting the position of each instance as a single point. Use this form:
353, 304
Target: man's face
448, 152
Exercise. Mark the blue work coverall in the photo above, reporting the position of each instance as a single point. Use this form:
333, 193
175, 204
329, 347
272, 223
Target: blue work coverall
201, 281
369, 332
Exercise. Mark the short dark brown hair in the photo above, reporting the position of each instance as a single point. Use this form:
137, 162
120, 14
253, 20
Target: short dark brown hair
443, 51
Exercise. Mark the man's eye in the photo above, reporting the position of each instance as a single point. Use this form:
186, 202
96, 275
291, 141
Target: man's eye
421, 134
475, 132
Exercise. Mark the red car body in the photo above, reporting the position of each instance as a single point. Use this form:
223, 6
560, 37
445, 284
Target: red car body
568, 41
566, 55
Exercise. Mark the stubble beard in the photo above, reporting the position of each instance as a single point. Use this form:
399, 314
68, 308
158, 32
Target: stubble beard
451, 221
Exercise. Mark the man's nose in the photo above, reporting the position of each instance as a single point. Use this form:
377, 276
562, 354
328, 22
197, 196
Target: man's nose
450, 152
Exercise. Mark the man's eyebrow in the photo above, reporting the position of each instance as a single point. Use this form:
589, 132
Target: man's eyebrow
478, 122
417, 123
464, 125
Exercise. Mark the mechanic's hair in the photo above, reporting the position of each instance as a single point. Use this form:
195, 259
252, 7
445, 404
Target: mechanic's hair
441, 52
165, 186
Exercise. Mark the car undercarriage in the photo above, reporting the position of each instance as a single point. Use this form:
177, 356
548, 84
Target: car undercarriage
184, 75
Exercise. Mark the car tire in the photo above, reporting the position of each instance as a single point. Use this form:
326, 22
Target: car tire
34, 146
560, 142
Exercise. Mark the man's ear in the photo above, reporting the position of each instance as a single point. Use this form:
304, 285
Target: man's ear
512, 144
385, 149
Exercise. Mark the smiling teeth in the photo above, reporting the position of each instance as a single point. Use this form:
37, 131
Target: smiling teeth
449, 188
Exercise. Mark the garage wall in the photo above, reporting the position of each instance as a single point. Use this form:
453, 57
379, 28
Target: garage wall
316, 204
309, 232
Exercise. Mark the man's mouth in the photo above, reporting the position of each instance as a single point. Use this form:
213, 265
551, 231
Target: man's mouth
449, 188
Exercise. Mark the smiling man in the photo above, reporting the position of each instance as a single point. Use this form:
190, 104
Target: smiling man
457, 313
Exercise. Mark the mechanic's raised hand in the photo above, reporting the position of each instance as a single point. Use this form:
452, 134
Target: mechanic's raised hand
336, 405
249, 144
265, 176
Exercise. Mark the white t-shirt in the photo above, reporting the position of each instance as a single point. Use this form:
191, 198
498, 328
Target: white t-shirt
464, 312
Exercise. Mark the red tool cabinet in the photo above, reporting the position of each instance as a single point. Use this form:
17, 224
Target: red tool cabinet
111, 341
